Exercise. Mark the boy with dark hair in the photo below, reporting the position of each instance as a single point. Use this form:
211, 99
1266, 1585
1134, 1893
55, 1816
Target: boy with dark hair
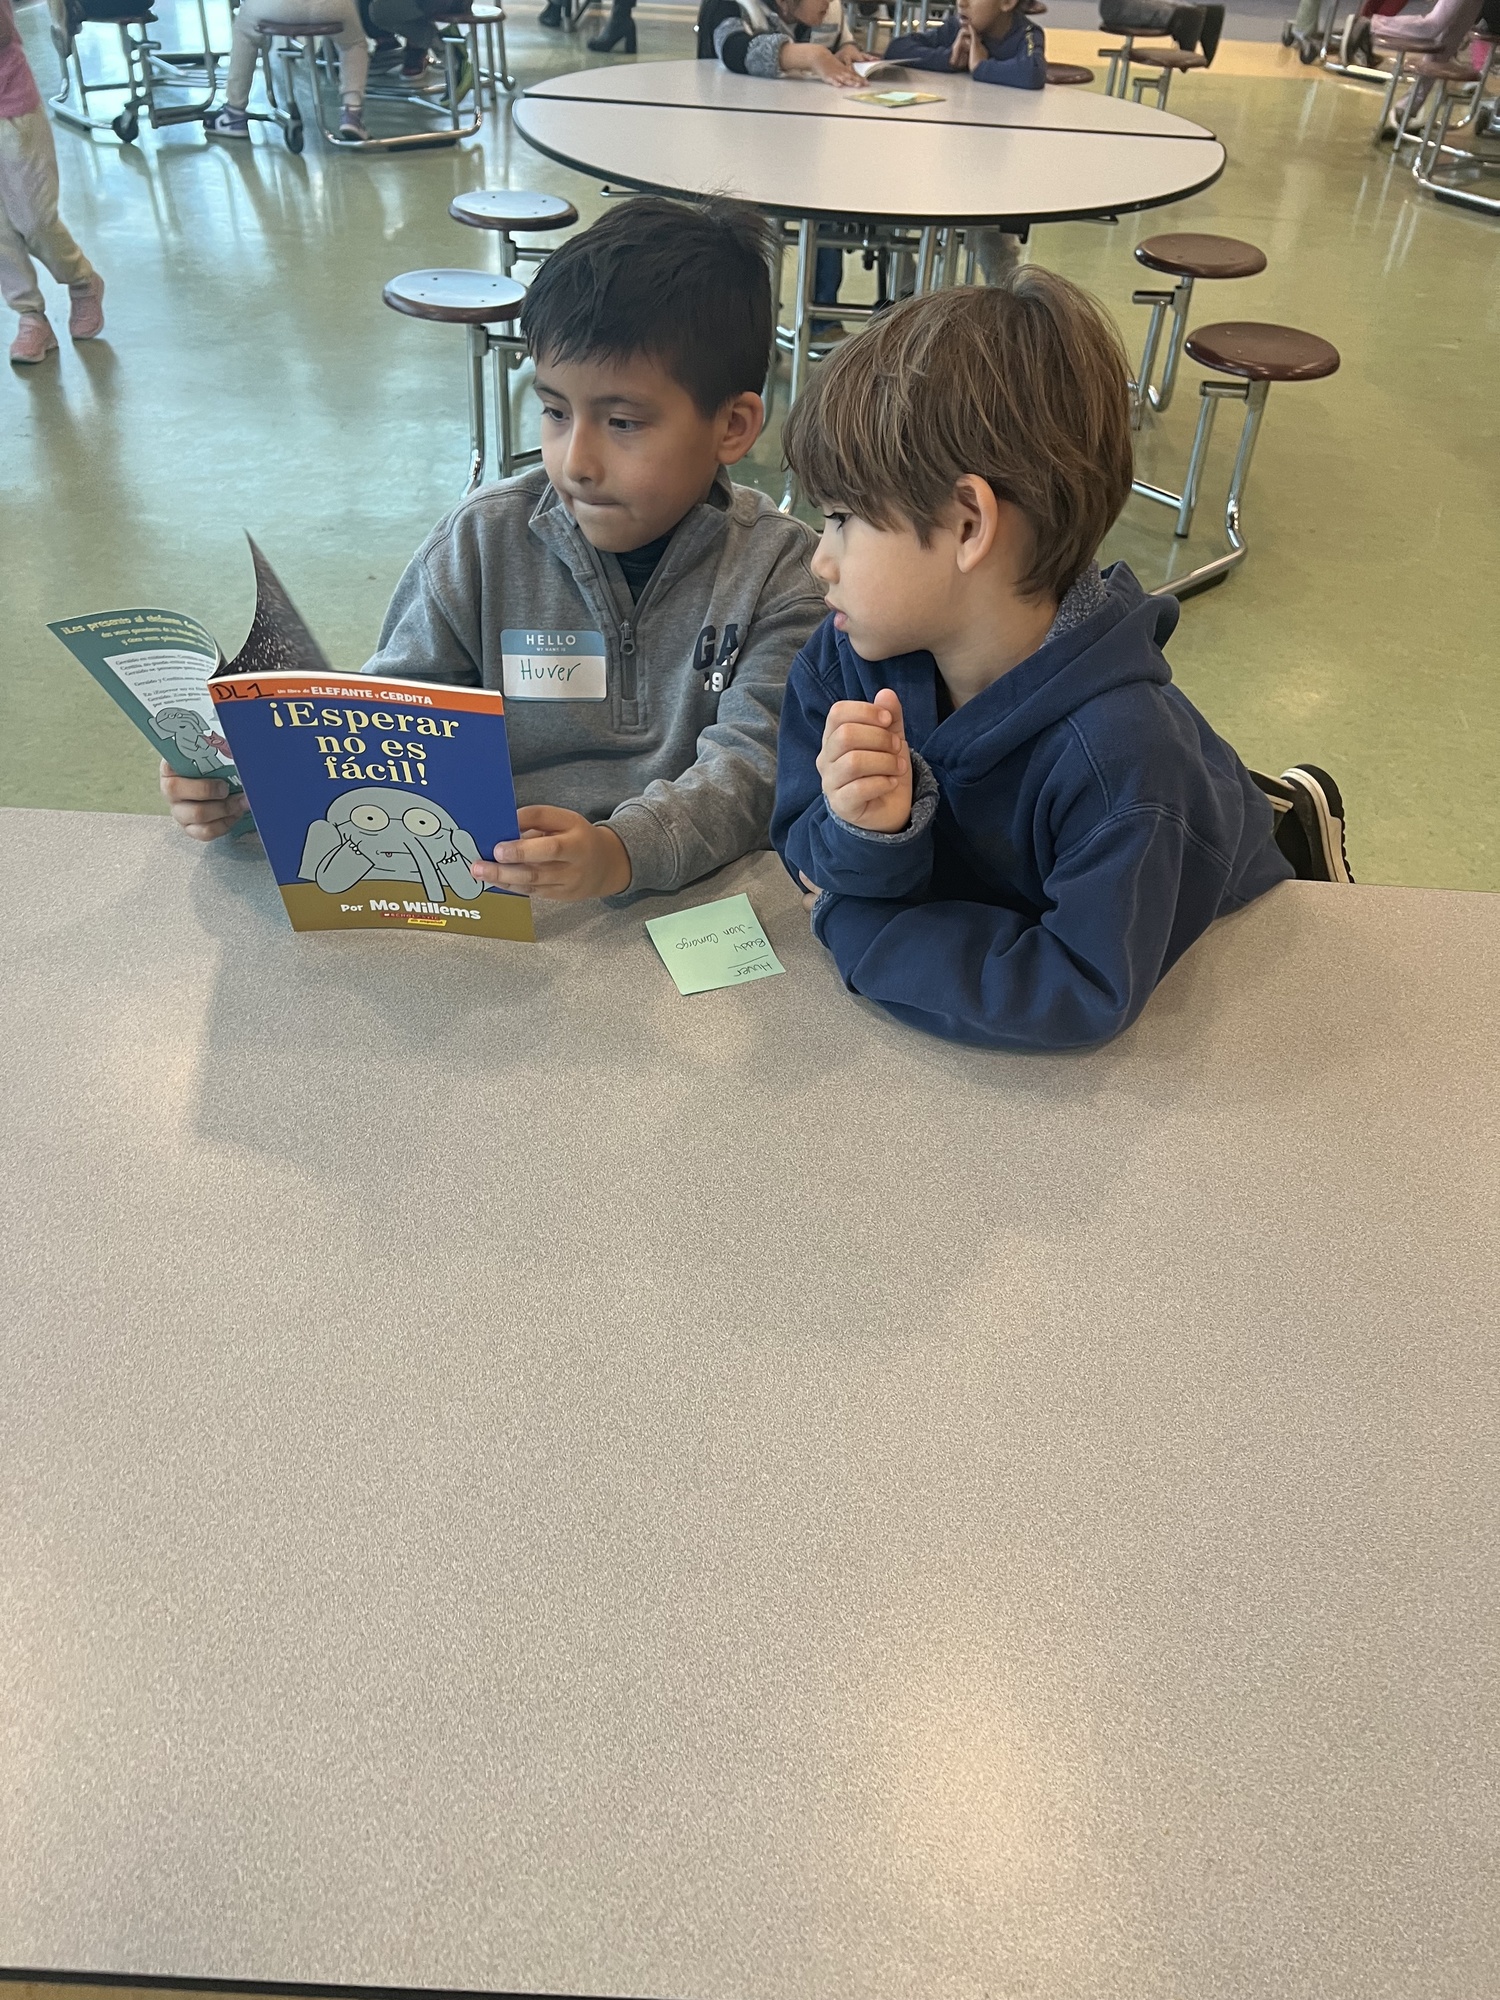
675, 599
1008, 821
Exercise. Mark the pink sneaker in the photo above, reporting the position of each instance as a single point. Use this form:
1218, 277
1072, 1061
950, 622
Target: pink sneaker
34, 339
86, 318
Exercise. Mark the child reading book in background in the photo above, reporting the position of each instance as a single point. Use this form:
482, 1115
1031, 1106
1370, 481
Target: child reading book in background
682, 598
1011, 822
755, 39
29, 225
994, 41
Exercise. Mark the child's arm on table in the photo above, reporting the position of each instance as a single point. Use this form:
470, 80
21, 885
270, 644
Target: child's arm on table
835, 66
775, 54
943, 48
975, 972
854, 804
1026, 70
680, 829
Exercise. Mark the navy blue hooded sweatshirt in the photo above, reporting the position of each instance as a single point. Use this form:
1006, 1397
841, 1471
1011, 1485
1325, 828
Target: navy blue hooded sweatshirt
1018, 57
1074, 828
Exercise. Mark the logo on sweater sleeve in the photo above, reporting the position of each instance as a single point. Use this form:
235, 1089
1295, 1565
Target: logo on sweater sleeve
543, 665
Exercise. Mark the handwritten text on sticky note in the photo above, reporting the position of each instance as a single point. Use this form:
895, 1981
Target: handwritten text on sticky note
718, 944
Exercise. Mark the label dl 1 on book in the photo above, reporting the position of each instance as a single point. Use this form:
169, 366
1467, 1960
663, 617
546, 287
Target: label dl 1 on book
371, 797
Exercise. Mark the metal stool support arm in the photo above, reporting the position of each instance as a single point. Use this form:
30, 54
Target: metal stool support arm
1253, 395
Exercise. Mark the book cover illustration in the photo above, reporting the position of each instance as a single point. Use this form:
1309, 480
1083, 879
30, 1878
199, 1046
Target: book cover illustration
372, 797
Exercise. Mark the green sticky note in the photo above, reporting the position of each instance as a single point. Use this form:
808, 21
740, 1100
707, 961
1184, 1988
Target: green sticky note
718, 944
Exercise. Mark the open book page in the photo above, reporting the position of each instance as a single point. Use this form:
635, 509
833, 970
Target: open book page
278, 641
156, 665
873, 68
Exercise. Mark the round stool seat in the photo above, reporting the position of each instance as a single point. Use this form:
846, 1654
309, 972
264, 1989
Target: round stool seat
299, 28
1259, 353
1069, 73
483, 11
472, 298
1171, 58
1190, 256
1439, 70
511, 209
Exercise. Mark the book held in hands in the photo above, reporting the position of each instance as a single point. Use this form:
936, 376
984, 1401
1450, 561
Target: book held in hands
372, 797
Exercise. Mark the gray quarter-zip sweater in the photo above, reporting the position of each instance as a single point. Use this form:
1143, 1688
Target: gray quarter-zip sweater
683, 774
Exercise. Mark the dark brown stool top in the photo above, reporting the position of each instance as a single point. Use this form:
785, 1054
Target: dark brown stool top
1170, 58
472, 298
1262, 353
1069, 73
1192, 256
511, 209
330, 28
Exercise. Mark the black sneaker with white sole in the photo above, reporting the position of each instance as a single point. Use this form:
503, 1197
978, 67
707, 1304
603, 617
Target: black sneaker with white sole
1309, 811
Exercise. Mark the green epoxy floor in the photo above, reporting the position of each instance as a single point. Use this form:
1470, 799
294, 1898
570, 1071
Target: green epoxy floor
251, 378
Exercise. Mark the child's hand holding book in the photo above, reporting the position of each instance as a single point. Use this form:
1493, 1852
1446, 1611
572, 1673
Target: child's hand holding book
205, 808
865, 764
560, 855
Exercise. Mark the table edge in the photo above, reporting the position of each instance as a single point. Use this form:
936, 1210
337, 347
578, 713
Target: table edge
922, 217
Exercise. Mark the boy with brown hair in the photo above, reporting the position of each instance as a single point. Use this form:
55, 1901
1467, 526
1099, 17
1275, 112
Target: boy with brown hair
1009, 822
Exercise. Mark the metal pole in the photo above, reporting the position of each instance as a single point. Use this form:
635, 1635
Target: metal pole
478, 342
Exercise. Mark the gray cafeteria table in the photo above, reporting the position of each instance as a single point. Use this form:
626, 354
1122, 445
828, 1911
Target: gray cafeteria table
516, 1480
802, 151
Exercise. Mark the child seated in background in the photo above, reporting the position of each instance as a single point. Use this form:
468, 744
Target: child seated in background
1009, 821
230, 121
684, 598
996, 41
753, 39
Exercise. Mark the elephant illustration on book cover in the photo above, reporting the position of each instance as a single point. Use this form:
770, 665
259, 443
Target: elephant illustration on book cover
203, 747
374, 834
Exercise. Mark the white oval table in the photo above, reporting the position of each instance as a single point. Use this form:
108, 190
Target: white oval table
797, 149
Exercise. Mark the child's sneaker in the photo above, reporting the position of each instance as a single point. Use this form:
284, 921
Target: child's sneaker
1309, 811
34, 340
86, 316
351, 125
387, 52
227, 123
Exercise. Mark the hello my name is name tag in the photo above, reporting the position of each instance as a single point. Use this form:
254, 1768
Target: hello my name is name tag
553, 665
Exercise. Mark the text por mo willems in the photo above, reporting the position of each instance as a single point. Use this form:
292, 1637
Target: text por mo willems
342, 750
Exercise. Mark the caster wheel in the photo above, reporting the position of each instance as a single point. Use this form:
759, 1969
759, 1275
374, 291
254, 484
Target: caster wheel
1287, 36
126, 127
296, 139
1307, 51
